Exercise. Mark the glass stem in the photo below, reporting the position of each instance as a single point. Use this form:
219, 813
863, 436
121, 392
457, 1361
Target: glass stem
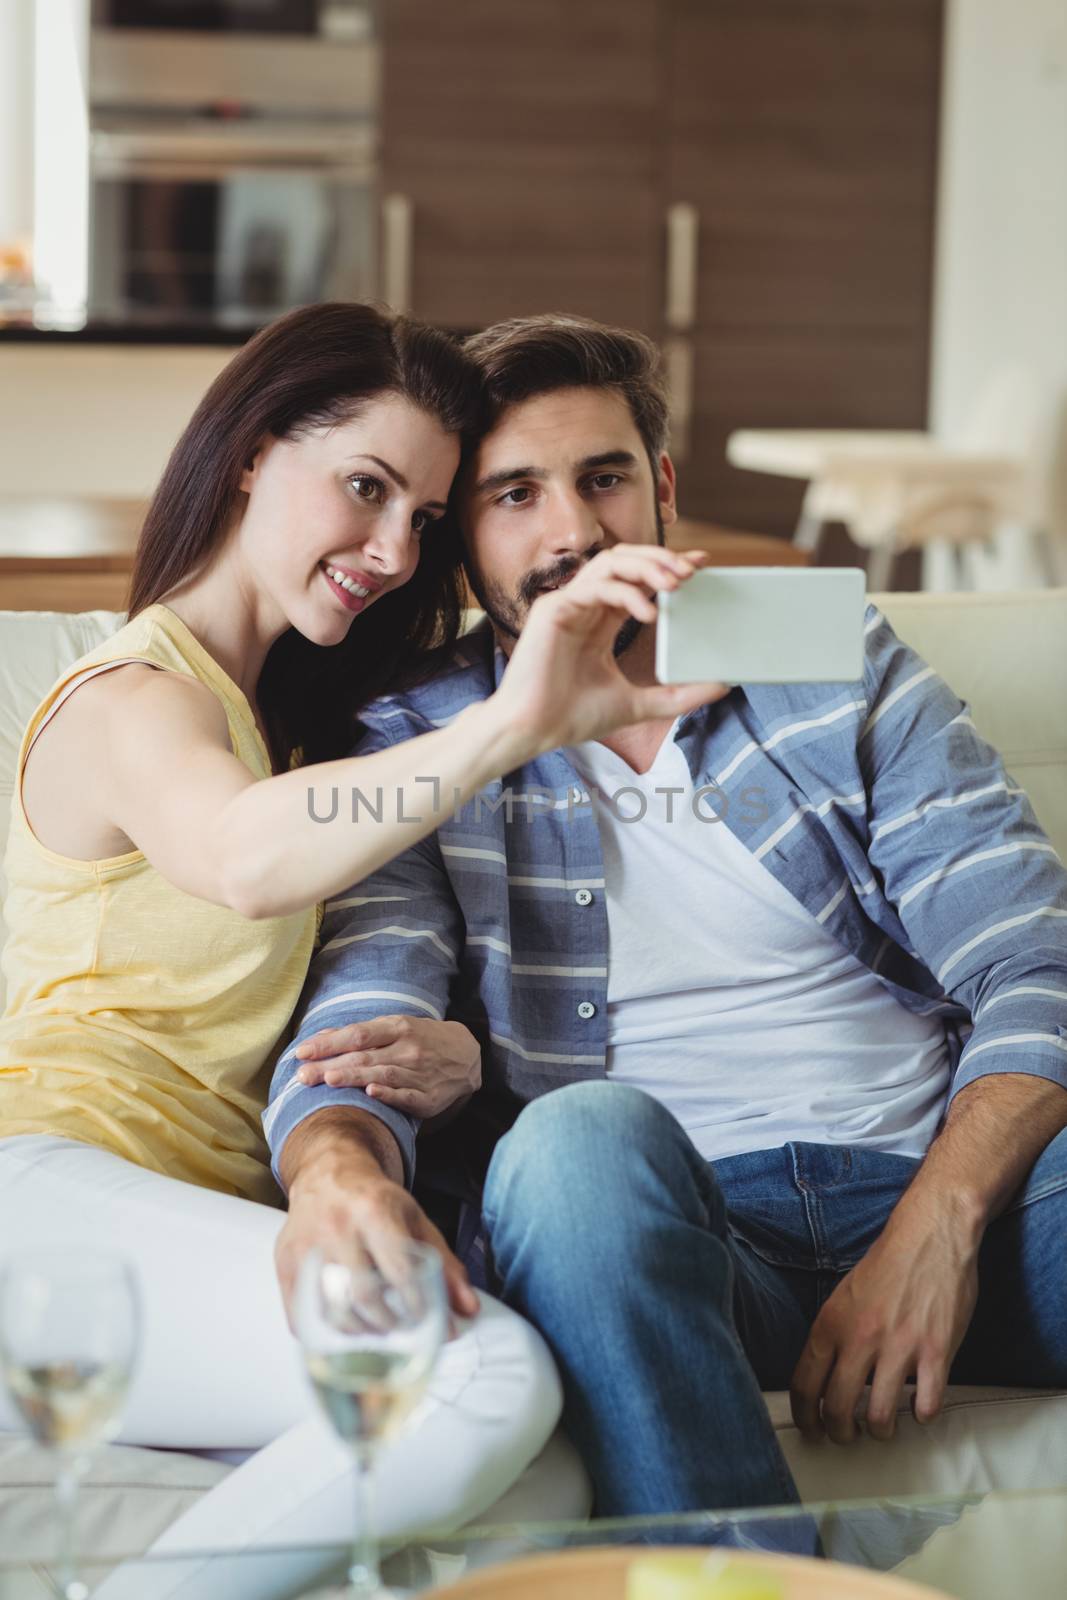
364, 1575
67, 1505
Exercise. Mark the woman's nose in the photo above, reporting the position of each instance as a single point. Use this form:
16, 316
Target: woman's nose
389, 547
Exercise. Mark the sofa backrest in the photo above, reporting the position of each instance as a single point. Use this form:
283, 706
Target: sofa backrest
1005, 654
35, 647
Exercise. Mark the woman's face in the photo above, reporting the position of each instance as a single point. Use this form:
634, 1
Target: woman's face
335, 517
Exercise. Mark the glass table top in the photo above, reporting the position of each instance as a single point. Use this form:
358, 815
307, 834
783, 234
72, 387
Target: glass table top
1007, 1546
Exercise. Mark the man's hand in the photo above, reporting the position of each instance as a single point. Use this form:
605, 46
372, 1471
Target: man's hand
417, 1065
901, 1313
336, 1166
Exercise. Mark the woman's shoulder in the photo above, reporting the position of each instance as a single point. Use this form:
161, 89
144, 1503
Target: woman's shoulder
142, 717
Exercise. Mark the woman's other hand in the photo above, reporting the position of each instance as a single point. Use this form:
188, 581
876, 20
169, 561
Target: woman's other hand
417, 1065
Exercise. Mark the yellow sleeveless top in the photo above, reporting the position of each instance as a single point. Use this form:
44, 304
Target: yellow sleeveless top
140, 1018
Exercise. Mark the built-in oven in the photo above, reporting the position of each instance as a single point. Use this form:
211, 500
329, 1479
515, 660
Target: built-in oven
229, 225
233, 174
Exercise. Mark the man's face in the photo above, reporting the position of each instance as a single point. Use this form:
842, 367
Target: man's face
560, 478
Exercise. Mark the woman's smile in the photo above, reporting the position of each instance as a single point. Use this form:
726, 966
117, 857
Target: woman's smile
352, 592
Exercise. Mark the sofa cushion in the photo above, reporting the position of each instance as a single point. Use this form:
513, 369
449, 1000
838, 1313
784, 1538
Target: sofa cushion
127, 1498
35, 647
985, 1439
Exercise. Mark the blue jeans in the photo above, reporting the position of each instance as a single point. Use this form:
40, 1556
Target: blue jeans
672, 1291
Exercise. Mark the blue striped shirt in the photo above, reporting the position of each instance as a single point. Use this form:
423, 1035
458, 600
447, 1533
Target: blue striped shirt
877, 804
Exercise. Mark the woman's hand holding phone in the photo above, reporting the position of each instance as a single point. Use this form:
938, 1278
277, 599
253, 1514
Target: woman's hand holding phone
564, 684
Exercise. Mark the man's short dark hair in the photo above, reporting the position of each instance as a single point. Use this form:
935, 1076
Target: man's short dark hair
530, 356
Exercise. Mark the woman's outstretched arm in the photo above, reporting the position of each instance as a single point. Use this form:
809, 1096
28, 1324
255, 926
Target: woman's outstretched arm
263, 848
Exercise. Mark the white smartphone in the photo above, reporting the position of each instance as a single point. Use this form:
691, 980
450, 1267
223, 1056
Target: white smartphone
763, 625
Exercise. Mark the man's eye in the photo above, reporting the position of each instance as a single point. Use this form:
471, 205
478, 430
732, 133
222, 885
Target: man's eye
515, 497
606, 480
367, 488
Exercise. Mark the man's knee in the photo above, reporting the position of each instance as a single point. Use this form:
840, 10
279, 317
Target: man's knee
562, 1133
592, 1151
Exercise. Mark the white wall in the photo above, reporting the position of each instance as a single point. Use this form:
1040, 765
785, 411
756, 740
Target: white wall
1001, 276
96, 419
16, 119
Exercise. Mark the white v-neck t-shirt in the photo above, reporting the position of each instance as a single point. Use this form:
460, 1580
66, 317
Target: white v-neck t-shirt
729, 1003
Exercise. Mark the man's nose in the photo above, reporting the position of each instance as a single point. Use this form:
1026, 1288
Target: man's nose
572, 527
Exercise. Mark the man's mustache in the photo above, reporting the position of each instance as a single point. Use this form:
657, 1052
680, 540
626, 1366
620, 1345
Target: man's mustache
535, 583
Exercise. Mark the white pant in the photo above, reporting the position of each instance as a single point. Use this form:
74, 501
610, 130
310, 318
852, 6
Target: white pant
220, 1370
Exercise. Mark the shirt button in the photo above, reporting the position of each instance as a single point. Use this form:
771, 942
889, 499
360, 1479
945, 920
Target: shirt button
584, 897
586, 1010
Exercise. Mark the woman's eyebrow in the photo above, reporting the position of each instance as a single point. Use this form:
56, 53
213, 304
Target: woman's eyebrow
390, 472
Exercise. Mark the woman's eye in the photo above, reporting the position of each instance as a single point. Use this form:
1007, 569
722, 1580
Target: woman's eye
367, 488
422, 520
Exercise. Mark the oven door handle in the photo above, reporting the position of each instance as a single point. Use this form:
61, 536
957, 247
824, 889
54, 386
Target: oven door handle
194, 155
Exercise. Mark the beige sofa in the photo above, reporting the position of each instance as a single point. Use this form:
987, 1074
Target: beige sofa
1005, 654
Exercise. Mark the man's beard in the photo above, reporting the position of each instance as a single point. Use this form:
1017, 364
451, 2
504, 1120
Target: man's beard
508, 612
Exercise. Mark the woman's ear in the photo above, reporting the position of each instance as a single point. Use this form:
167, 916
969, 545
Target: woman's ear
251, 468
666, 490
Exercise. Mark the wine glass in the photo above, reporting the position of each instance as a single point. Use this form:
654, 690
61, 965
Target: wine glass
370, 1334
69, 1325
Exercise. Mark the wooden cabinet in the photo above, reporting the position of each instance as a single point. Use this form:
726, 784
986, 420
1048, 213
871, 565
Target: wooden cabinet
542, 143
527, 138
804, 133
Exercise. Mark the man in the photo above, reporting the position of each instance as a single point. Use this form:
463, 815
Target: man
812, 938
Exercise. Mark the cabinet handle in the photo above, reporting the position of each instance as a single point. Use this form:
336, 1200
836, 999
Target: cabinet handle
683, 231
398, 219
678, 362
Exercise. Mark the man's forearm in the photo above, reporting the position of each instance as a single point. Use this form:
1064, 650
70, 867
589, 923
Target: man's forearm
339, 1142
994, 1132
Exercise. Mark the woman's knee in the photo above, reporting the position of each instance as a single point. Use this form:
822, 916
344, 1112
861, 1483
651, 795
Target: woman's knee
495, 1401
516, 1369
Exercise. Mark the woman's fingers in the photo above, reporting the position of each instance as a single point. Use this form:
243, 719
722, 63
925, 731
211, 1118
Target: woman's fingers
614, 594
358, 1074
652, 565
402, 1087
375, 1032
622, 580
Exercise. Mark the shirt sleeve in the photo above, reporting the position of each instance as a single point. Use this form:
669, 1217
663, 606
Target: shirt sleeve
389, 946
978, 887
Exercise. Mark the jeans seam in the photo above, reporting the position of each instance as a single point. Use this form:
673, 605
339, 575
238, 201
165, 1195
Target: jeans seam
1056, 1186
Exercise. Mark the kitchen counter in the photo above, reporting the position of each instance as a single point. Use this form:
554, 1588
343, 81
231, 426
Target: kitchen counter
18, 330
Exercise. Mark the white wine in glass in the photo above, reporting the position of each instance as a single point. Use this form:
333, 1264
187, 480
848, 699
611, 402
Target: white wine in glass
69, 1325
370, 1336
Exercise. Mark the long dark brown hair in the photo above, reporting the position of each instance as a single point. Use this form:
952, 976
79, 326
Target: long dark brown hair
313, 368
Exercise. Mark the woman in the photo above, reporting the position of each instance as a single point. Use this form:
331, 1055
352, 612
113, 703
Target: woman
165, 870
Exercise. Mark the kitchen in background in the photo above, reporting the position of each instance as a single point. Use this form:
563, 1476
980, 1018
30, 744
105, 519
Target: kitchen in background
232, 158
751, 183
